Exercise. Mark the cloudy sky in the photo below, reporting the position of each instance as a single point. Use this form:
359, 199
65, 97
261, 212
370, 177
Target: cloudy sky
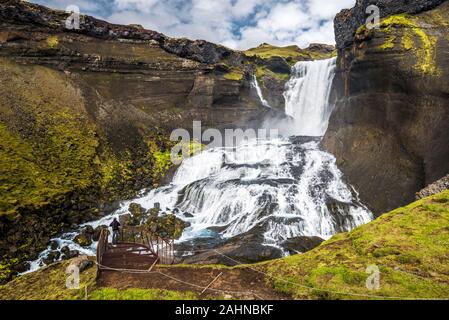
238, 24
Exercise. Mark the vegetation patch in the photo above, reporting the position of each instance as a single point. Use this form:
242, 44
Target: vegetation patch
410, 246
292, 54
47, 146
262, 71
141, 294
56, 165
53, 42
266, 51
234, 74
425, 53
49, 283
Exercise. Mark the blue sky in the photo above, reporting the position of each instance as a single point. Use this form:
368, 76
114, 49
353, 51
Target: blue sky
238, 24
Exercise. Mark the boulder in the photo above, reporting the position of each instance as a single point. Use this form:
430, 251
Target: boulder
70, 254
188, 215
22, 267
65, 249
88, 230
82, 240
53, 245
51, 257
301, 244
434, 188
137, 214
245, 248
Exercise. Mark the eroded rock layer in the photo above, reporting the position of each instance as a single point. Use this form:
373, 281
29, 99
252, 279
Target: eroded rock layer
390, 124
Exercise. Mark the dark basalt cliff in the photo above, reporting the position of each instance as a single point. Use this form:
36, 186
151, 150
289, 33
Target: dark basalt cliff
85, 115
389, 129
349, 20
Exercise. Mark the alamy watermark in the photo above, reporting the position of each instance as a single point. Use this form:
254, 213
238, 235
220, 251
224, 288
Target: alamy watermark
74, 19
214, 138
73, 280
373, 20
373, 280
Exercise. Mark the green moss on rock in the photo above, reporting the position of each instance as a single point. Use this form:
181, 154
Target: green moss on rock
424, 49
48, 283
48, 145
57, 165
262, 71
234, 74
292, 54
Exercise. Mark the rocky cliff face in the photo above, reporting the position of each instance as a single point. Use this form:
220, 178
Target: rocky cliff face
389, 128
85, 116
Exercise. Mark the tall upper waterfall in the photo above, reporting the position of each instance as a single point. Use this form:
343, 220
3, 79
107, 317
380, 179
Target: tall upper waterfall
307, 96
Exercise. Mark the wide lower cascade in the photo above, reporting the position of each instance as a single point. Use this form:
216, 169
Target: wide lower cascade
279, 188
286, 187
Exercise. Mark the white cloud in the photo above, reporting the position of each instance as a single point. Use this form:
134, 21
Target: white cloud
239, 24
327, 9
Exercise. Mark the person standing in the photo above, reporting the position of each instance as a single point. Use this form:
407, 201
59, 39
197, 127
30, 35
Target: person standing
115, 225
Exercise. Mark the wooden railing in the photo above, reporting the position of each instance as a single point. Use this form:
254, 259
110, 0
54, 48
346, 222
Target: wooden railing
163, 249
102, 246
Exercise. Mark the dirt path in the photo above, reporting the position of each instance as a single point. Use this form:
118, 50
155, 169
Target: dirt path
235, 283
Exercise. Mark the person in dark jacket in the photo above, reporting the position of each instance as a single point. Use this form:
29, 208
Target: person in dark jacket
115, 225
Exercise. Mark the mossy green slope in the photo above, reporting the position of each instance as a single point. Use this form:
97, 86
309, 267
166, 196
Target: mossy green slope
292, 53
57, 165
410, 246
140, 294
48, 145
50, 284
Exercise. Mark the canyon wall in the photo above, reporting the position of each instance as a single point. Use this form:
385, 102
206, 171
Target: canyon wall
389, 129
86, 114
85, 117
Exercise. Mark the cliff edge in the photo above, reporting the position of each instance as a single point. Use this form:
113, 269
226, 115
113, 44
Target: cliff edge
390, 123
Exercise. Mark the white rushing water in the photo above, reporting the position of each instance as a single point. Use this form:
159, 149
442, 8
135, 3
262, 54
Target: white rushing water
307, 96
285, 187
288, 187
255, 84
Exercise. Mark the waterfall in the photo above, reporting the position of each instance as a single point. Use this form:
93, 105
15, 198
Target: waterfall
281, 187
255, 84
286, 187
307, 96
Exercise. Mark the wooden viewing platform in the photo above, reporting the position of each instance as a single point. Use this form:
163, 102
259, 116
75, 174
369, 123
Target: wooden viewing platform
133, 263
137, 249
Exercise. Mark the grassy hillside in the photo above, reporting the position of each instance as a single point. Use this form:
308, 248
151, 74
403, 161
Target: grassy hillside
50, 284
291, 53
409, 245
